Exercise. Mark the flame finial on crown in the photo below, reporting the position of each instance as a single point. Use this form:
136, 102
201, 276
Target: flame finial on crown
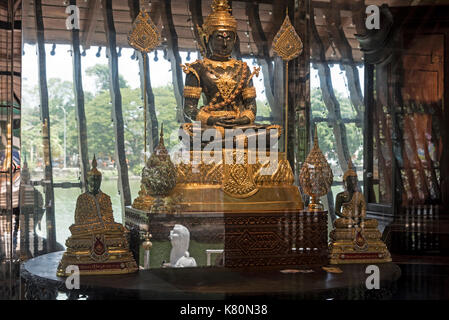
160, 150
350, 172
94, 171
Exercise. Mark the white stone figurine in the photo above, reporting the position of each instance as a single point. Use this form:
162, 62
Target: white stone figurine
179, 255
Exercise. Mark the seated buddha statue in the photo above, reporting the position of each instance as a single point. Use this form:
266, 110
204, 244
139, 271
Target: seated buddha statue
226, 83
97, 244
206, 181
354, 238
350, 204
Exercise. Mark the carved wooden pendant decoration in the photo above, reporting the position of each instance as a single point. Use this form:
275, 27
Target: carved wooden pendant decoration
287, 44
144, 35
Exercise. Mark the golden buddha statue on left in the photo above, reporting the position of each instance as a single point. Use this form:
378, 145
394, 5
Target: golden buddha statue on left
98, 245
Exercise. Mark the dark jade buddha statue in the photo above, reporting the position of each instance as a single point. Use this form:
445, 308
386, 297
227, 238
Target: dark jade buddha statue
226, 84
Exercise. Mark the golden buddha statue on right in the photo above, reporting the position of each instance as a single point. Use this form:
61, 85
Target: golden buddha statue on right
354, 238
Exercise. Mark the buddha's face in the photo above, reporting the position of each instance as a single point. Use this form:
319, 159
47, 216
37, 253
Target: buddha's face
351, 183
221, 43
93, 184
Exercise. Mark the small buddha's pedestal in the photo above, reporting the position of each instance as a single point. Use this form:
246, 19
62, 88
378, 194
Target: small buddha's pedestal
98, 254
357, 245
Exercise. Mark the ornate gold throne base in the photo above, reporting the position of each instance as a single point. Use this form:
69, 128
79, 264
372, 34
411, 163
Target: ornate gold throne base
210, 186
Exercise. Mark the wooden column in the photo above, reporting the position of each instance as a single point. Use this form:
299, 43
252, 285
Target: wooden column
116, 98
89, 30
263, 48
196, 11
152, 123
173, 56
79, 105
329, 98
445, 135
368, 155
293, 76
45, 117
302, 88
352, 74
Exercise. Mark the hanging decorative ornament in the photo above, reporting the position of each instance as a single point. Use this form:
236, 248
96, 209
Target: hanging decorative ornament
316, 175
144, 37
288, 45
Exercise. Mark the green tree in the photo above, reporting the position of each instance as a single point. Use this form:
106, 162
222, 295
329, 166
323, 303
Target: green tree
101, 73
325, 131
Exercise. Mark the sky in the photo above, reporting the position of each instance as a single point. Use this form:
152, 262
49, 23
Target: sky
59, 65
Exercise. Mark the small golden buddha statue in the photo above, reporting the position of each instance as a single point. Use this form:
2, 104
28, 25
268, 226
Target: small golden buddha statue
98, 245
354, 238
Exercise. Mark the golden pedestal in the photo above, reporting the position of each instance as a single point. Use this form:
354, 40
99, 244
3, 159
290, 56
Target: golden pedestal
98, 253
250, 182
357, 245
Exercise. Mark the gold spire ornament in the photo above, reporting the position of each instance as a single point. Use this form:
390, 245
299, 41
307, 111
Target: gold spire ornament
316, 176
144, 37
287, 44
159, 175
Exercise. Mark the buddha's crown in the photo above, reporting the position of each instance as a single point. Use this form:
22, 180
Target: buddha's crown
350, 172
94, 171
220, 18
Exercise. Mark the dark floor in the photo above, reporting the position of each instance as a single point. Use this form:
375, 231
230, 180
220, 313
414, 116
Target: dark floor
422, 278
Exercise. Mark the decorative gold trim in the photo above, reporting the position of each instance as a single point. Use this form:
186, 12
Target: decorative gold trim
249, 114
287, 44
249, 93
144, 35
220, 18
221, 64
203, 116
192, 92
255, 72
187, 68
